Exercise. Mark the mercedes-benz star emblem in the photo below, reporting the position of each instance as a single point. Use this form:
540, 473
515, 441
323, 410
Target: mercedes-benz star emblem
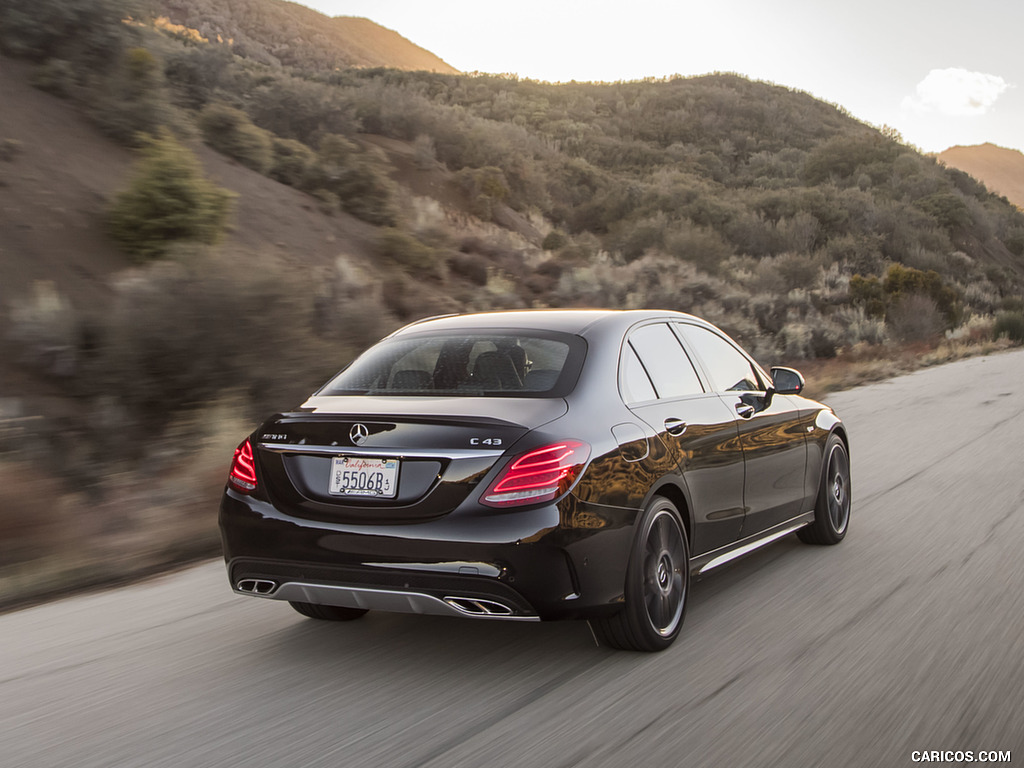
358, 434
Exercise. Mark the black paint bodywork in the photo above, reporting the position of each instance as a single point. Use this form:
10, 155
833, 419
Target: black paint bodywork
733, 478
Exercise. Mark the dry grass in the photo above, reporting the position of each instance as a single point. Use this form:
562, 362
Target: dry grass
127, 525
138, 528
865, 364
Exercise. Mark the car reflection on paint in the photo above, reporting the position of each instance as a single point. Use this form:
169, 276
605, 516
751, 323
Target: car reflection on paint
533, 465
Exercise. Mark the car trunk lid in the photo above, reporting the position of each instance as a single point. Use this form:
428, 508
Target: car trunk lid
364, 459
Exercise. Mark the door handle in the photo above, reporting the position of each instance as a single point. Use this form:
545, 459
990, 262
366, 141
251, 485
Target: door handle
675, 427
745, 410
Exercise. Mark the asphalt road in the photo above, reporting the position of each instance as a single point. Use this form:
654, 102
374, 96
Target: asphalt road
908, 636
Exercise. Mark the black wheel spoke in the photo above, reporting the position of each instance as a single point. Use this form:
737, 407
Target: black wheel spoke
660, 534
679, 586
657, 604
651, 546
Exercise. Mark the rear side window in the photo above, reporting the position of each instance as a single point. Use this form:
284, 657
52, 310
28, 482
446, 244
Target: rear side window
729, 369
665, 362
468, 365
636, 384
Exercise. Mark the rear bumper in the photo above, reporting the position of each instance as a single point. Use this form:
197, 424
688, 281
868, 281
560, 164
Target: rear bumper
467, 599
564, 560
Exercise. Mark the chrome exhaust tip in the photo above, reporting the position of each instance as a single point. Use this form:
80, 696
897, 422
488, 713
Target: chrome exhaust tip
476, 606
256, 586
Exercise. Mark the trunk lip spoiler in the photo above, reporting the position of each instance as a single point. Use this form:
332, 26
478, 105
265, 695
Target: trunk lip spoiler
398, 453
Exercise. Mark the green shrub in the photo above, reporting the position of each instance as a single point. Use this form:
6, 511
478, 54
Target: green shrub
197, 71
168, 200
328, 202
408, 252
915, 317
635, 239
230, 132
842, 156
948, 209
359, 179
1010, 325
553, 241
796, 270
56, 76
868, 293
697, 244
903, 281
470, 266
485, 187
292, 160
131, 99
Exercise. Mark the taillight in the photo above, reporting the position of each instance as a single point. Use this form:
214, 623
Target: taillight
540, 475
243, 469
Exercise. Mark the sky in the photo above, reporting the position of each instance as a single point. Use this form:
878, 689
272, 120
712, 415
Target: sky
941, 73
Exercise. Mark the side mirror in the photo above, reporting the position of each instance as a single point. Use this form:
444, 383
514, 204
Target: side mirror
787, 381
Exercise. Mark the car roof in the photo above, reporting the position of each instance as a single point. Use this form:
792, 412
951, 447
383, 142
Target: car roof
575, 321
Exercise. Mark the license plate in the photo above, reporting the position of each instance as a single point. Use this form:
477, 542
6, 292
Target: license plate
356, 476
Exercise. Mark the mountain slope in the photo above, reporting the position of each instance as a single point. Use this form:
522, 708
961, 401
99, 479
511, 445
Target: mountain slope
291, 35
56, 187
1001, 169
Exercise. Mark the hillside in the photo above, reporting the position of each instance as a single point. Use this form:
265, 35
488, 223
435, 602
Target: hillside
54, 189
774, 214
1001, 169
287, 34
777, 215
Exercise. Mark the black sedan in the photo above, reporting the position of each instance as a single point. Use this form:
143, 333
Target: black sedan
533, 465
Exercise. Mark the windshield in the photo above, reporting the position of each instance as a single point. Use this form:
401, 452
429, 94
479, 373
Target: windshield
490, 364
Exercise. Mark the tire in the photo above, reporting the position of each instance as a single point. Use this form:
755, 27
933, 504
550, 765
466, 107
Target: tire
328, 612
657, 584
832, 509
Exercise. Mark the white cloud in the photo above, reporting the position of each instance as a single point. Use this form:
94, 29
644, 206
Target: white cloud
956, 92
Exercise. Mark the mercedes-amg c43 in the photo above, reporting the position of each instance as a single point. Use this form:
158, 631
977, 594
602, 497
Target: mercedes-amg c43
533, 465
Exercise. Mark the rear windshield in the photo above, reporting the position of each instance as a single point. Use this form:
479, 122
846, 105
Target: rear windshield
491, 364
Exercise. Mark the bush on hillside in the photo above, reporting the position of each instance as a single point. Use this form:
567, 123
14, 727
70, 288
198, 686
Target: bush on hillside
197, 71
232, 133
178, 337
915, 317
485, 188
292, 161
55, 76
469, 266
131, 99
1010, 325
844, 157
903, 281
169, 200
554, 241
408, 252
358, 178
948, 209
